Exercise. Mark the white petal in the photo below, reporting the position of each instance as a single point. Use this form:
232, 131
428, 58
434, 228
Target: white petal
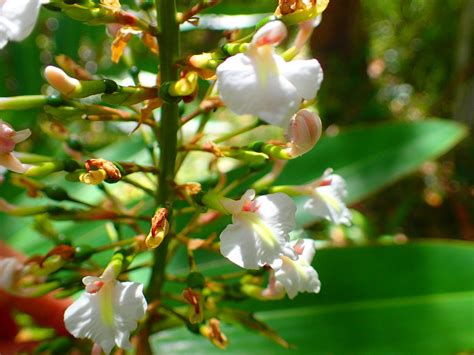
305, 75
297, 276
261, 237
249, 87
278, 211
130, 306
327, 201
20, 136
239, 244
19, 17
108, 316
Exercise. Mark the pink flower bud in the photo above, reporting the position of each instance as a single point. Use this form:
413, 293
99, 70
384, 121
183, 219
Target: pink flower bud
59, 80
271, 33
303, 132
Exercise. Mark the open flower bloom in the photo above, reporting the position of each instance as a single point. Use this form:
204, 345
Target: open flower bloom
107, 312
259, 82
295, 275
8, 139
260, 230
326, 198
17, 19
9, 272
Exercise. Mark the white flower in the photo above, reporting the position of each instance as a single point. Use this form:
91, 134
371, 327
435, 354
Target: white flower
295, 275
17, 19
9, 271
107, 312
259, 82
260, 231
326, 198
8, 139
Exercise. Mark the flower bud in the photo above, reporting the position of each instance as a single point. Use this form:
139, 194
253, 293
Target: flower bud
71, 87
203, 61
184, 86
43, 289
159, 229
113, 173
272, 33
194, 298
62, 82
48, 266
93, 177
10, 269
213, 332
303, 132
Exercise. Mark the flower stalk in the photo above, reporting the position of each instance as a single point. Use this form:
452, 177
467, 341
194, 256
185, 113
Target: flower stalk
169, 51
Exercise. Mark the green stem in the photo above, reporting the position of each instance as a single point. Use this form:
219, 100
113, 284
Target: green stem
238, 132
169, 52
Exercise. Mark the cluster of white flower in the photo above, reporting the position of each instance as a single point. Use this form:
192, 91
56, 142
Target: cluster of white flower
258, 82
260, 236
261, 83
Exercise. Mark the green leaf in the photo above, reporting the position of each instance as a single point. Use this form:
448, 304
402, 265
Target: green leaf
370, 158
416, 298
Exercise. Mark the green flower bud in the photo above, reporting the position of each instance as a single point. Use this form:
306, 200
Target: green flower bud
196, 280
56, 193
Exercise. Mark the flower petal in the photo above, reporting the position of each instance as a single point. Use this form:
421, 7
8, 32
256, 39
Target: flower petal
327, 201
260, 237
20, 136
130, 306
12, 163
249, 87
305, 75
83, 320
297, 276
239, 244
108, 316
19, 17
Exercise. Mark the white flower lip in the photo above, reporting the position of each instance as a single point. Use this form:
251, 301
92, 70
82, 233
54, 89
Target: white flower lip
260, 83
108, 313
17, 19
259, 233
326, 199
297, 275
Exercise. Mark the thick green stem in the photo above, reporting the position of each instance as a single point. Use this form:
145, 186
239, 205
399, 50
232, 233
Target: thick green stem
169, 52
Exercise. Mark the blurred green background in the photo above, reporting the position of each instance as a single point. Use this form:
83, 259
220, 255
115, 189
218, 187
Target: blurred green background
401, 279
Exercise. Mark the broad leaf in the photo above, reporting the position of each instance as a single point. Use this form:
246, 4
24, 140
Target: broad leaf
416, 298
